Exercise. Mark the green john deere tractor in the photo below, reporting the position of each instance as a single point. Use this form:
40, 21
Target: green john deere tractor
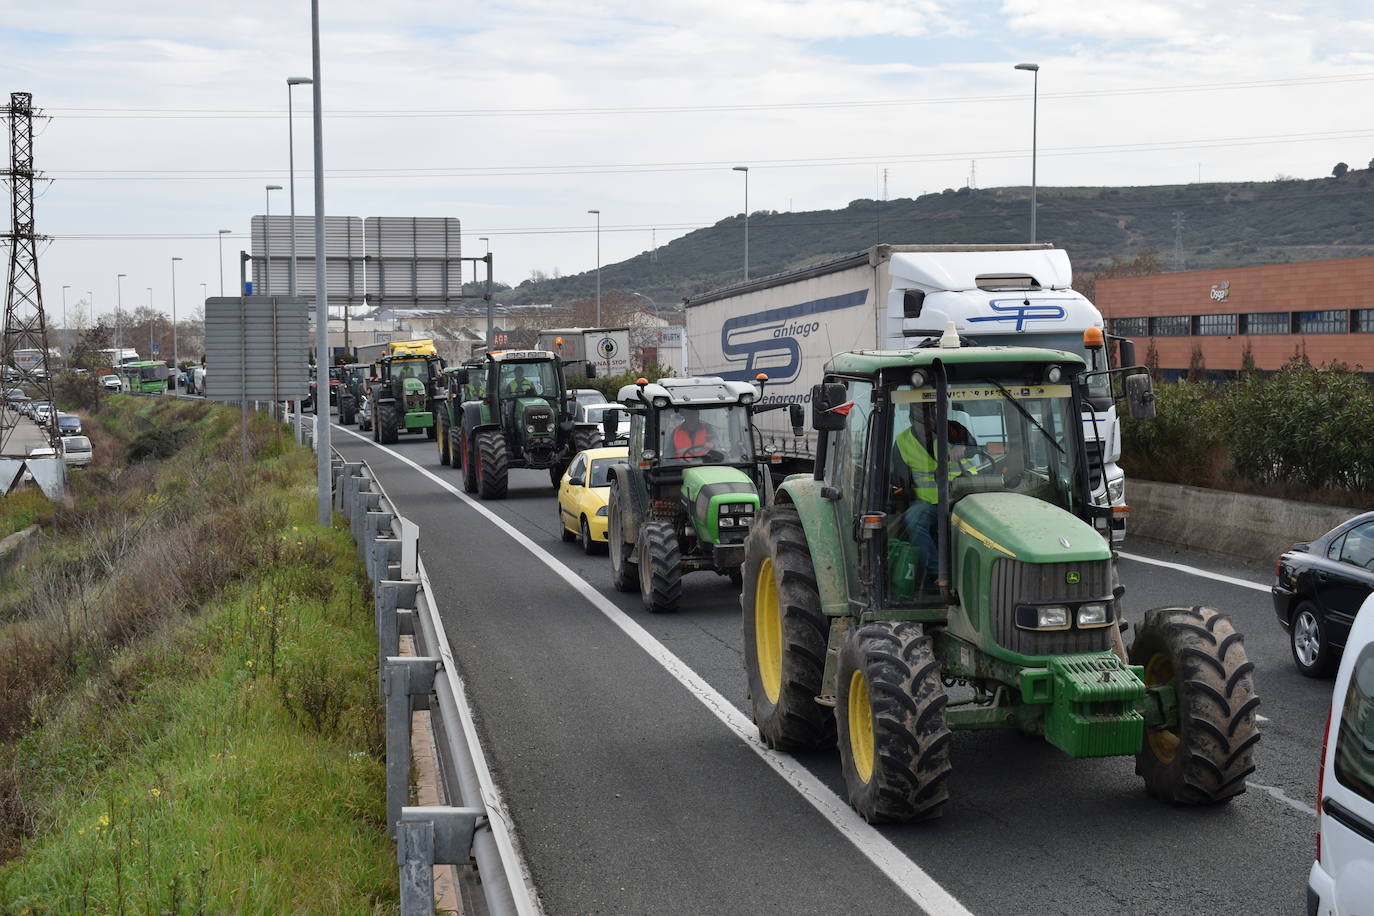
946, 568
403, 395
510, 409
690, 491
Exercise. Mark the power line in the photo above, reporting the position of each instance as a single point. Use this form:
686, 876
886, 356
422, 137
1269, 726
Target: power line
252, 113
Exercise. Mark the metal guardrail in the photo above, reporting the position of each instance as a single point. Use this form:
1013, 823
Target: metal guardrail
426, 836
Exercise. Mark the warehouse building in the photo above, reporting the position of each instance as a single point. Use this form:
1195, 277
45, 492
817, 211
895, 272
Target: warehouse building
1322, 308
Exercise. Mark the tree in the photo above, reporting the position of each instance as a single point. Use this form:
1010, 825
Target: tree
1247, 359
1340, 170
1152, 358
1197, 365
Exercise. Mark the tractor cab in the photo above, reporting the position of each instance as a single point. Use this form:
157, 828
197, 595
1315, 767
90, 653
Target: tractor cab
524, 389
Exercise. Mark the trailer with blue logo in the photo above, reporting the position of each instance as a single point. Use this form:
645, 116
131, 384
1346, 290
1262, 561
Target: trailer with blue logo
789, 325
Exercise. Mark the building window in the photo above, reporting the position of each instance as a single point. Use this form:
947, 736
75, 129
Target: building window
1132, 327
1266, 323
1218, 325
1363, 322
1325, 321
1171, 326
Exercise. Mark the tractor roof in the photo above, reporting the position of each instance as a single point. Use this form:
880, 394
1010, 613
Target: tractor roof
695, 392
521, 356
871, 362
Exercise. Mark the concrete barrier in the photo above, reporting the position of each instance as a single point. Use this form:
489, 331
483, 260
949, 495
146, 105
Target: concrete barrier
1253, 528
15, 548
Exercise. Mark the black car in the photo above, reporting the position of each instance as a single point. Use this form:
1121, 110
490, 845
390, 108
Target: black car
1319, 587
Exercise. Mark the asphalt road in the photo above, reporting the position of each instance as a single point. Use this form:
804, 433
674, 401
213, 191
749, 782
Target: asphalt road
631, 795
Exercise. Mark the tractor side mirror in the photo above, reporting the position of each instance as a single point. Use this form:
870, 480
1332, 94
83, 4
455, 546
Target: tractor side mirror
1127, 352
1140, 394
610, 426
591, 369
461, 376
824, 399
798, 418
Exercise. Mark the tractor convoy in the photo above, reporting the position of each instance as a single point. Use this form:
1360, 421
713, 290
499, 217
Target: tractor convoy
947, 562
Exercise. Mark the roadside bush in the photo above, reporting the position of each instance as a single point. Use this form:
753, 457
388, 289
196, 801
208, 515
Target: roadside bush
1182, 444
610, 385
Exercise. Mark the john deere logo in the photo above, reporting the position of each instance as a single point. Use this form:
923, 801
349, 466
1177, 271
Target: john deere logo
1072, 578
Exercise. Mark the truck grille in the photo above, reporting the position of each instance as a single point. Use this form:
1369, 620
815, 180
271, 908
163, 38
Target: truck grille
1094, 465
1015, 582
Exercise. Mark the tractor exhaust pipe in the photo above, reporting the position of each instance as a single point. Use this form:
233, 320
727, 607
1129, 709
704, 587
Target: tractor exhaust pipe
942, 481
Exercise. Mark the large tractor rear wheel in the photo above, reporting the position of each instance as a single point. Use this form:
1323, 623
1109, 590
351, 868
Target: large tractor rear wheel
1205, 757
624, 572
785, 634
660, 567
492, 469
442, 435
388, 423
584, 439
469, 463
890, 713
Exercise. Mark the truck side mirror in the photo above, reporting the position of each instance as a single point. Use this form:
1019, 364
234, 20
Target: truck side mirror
824, 398
610, 426
912, 301
1127, 352
1140, 394
591, 369
798, 418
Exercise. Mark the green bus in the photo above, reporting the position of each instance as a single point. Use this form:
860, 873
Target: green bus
145, 376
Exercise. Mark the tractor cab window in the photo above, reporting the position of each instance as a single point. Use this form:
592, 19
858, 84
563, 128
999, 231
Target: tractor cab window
410, 368
528, 380
705, 435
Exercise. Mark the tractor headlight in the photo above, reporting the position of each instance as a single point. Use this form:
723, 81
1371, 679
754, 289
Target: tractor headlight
1053, 374
661, 402
747, 397
529, 428
1093, 615
603, 511
1042, 617
1116, 490
727, 521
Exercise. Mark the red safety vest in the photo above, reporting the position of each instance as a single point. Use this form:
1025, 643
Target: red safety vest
687, 445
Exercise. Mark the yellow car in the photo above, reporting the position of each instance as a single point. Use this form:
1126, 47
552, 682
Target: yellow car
582, 496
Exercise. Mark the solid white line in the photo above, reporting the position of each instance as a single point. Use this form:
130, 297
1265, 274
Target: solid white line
1281, 796
1194, 571
909, 877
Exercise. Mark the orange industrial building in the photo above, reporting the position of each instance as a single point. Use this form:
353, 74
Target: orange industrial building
1322, 308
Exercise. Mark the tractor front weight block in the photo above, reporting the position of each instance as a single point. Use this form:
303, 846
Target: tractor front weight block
1095, 711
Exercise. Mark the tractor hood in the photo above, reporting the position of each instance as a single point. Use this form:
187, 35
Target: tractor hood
1028, 529
412, 385
706, 489
534, 416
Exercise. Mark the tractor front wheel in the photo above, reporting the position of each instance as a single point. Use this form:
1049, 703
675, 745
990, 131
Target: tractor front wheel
1203, 756
624, 573
584, 439
468, 464
785, 634
660, 567
492, 468
890, 713
388, 424
442, 435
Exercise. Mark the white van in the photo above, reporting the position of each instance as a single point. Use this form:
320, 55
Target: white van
76, 451
1342, 879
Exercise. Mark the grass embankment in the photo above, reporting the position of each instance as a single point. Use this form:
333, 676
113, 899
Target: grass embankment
187, 698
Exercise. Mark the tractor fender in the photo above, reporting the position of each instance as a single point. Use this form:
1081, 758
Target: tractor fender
822, 540
632, 512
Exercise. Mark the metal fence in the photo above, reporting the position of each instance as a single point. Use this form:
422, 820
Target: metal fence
469, 827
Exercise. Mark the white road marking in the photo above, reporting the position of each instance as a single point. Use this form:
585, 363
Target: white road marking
1261, 719
1194, 571
1283, 797
909, 877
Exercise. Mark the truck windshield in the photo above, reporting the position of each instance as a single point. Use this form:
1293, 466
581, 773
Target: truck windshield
528, 379
1099, 387
705, 435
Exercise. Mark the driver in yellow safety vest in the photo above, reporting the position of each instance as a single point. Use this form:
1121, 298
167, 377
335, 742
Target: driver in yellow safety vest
913, 475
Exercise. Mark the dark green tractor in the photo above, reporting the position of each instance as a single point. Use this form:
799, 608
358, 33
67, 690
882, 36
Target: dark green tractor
510, 409
946, 568
352, 382
691, 489
403, 395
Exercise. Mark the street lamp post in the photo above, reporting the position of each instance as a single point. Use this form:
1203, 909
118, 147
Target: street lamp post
267, 241
175, 361
119, 322
745, 170
64, 307
291, 162
598, 266
222, 234
1035, 103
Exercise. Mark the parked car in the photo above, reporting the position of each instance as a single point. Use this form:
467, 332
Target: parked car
16, 395
591, 413
111, 382
76, 451
588, 396
68, 424
1319, 587
43, 451
40, 411
583, 494
365, 413
1341, 881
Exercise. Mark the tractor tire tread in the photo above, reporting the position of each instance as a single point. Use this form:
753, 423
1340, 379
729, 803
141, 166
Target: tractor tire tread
663, 574
492, 467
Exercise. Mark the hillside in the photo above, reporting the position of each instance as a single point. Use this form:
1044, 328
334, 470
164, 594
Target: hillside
1224, 224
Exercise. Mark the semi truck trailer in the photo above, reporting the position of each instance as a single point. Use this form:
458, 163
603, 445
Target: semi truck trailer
789, 325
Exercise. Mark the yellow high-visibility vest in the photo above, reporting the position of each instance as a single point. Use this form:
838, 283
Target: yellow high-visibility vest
922, 466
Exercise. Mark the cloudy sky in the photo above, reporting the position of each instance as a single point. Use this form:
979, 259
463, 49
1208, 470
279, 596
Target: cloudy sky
517, 116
